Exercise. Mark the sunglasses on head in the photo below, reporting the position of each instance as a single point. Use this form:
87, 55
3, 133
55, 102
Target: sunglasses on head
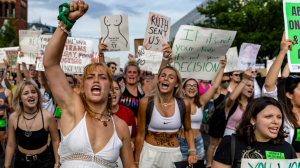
224, 81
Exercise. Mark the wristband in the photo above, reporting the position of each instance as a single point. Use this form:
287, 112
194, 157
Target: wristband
166, 59
101, 54
63, 15
55, 164
192, 150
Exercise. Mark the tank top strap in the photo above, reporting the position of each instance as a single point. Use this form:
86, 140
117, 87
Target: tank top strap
112, 118
42, 118
18, 122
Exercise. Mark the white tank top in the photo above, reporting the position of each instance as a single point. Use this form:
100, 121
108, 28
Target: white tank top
196, 119
159, 123
75, 149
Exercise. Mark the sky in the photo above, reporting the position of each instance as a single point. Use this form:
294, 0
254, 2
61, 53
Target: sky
89, 24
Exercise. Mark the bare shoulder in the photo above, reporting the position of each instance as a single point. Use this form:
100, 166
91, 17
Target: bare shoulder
13, 119
187, 103
47, 115
121, 127
8, 92
143, 101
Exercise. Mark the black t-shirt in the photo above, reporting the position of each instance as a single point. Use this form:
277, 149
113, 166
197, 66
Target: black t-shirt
296, 140
260, 150
130, 101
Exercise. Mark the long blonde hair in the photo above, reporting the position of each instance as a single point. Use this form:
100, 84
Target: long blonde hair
178, 93
89, 68
17, 104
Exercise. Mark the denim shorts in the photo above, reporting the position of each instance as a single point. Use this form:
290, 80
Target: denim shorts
198, 144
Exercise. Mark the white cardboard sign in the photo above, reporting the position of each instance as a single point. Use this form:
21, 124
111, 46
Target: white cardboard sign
270, 163
3, 53
197, 51
115, 33
76, 55
157, 32
29, 45
232, 59
247, 57
149, 60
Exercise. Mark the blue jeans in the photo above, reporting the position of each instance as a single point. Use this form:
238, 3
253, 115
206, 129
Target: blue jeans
198, 144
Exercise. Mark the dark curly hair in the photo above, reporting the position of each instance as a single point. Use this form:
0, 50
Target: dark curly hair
245, 130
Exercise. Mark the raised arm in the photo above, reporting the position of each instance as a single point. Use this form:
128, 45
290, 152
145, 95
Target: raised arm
102, 47
272, 76
237, 91
205, 98
286, 71
167, 54
6, 82
59, 85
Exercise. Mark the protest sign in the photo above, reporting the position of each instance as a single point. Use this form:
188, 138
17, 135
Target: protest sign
291, 9
137, 43
29, 45
232, 59
115, 33
157, 32
269, 64
149, 60
259, 66
12, 57
197, 51
247, 57
3, 52
276, 162
76, 55
115, 60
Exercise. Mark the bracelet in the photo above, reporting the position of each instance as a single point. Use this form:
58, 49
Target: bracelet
101, 54
63, 29
244, 83
63, 15
55, 164
192, 150
166, 59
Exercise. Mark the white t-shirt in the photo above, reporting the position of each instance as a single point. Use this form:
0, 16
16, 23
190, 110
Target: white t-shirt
257, 91
47, 101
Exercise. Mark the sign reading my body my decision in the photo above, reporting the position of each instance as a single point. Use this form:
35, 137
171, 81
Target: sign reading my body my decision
291, 9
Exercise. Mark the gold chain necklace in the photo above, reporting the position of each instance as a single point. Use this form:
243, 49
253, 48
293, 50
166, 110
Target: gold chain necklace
99, 119
165, 104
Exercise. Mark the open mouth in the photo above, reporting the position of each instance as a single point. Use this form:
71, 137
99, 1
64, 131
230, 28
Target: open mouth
164, 85
96, 90
250, 91
31, 101
274, 130
131, 78
114, 97
191, 91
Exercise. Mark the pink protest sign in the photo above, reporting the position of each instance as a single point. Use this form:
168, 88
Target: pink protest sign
247, 56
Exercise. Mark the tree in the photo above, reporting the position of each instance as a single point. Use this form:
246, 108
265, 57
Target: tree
256, 21
8, 37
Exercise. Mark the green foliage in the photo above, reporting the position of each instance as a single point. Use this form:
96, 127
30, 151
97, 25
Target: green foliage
256, 21
8, 36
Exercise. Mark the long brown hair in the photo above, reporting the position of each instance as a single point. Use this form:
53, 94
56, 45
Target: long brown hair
197, 97
88, 69
245, 130
249, 99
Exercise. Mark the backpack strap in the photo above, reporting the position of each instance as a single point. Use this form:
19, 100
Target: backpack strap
149, 109
233, 108
226, 96
232, 147
182, 108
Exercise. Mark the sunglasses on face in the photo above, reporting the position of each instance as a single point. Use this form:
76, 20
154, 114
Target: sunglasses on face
224, 81
191, 86
80, 74
254, 71
114, 68
236, 74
